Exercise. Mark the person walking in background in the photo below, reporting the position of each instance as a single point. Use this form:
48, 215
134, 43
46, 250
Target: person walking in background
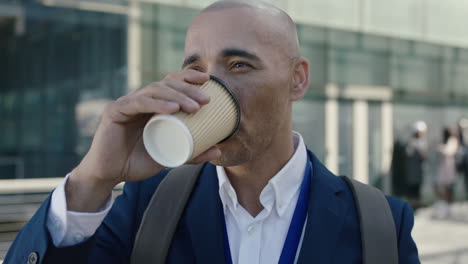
416, 154
462, 154
398, 168
446, 173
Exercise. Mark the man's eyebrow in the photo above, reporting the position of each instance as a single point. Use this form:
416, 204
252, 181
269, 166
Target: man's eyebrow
234, 52
230, 52
190, 59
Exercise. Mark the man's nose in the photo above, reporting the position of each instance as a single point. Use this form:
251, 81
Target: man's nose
224, 76
215, 71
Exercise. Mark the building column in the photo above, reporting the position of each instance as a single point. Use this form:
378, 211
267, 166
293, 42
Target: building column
387, 144
332, 135
134, 45
361, 141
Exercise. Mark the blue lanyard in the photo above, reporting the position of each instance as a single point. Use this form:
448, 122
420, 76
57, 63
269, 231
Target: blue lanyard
288, 254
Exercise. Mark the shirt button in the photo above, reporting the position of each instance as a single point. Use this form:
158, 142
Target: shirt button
79, 238
33, 258
250, 229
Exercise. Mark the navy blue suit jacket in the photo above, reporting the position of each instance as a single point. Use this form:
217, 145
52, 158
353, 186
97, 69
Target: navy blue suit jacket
332, 233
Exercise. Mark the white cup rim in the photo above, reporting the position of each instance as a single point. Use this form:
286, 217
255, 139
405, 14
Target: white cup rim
157, 156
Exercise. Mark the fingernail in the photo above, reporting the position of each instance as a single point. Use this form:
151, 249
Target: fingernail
204, 98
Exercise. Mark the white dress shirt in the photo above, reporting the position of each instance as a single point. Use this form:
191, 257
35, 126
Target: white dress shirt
260, 239
257, 239
68, 228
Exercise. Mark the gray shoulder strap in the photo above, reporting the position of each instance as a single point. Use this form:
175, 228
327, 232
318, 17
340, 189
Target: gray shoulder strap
162, 215
378, 234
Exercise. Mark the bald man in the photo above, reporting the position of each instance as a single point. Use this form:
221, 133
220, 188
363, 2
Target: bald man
244, 204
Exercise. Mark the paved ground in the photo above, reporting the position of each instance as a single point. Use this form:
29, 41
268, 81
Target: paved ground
442, 241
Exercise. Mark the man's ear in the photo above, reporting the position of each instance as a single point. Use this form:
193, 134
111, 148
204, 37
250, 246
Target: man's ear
300, 79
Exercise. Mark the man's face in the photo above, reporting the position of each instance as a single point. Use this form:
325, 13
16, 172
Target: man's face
241, 49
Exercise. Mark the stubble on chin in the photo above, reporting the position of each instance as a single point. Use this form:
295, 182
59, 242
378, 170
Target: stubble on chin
233, 153
231, 158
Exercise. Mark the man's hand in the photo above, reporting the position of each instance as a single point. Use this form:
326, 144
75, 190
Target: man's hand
117, 153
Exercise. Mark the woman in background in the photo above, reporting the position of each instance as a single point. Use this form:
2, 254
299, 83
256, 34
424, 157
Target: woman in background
446, 174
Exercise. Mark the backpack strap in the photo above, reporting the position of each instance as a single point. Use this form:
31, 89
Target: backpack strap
162, 215
378, 234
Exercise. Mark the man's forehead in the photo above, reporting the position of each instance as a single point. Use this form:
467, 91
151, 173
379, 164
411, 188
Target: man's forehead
227, 19
223, 29
257, 28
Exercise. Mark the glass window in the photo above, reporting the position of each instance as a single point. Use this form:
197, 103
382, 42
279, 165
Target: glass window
345, 158
462, 54
427, 50
313, 44
452, 114
8, 138
460, 78
63, 56
416, 74
375, 43
31, 134
309, 120
311, 35
358, 67
318, 59
163, 37
400, 47
343, 39
376, 175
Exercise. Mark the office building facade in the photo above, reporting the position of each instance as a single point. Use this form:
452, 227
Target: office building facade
376, 67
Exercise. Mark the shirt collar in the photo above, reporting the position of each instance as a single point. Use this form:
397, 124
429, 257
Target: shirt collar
280, 189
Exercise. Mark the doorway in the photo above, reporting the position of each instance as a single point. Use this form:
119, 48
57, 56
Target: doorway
359, 133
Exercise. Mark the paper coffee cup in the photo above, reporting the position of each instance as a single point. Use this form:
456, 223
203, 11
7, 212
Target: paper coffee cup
172, 140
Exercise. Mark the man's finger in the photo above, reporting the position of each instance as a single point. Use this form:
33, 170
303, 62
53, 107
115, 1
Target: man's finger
165, 92
127, 107
195, 77
191, 90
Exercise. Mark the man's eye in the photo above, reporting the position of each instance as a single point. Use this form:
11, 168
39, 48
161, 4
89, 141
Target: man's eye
196, 68
238, 65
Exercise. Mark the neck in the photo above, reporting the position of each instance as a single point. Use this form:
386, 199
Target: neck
250, 179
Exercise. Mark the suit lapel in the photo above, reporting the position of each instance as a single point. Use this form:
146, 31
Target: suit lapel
205, 219
326, 216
